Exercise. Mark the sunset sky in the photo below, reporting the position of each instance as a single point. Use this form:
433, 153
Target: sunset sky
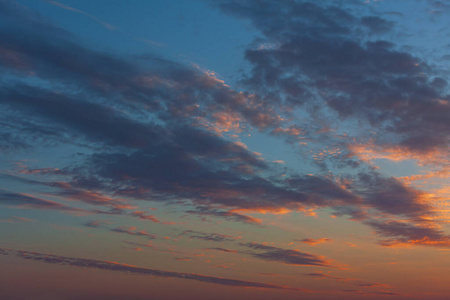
235, 149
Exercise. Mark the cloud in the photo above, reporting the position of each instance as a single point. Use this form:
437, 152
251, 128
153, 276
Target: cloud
355, 282
182, 258
330, 55
28, 201
89, 197
147, 245
317, 275
391, 196
93, 120
43, 171
406, 233
268, 274
131, 230
223, 250
155, 138
139, 84
96, 224
314, 242
228, 215
376, 24
286, 256
118, 267
66, 7
144, 216
180, 159
385, 293
212, 182
15, 219
213, 237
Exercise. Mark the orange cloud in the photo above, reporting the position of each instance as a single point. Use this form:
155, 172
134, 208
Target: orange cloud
144, 216
314, 242
369, 151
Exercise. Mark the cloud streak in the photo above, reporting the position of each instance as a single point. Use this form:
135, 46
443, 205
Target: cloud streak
66, 7
212, 237
118, 267
286, 256
30, 202
131, 230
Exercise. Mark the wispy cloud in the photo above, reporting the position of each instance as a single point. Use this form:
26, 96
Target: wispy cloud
118, 267
31, 202
213, 237
66, 7
314, 242
134, 231
286, 256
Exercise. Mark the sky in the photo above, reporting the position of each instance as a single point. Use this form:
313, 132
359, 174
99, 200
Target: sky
247, 149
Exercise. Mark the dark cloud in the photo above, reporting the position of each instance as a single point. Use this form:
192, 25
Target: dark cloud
174, 173
228, 215
134, 231
391, 196
86, 196
32, 202
320, 50
96, 223
399, 233
275, 254
317, 275
118, 267
355, 282
93, 224
144, 216
385, 293
95, 121
164, 92
53, 53
212, 237
141, 85
268, 274
376, 24
286, 256
223, 250
182, 258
